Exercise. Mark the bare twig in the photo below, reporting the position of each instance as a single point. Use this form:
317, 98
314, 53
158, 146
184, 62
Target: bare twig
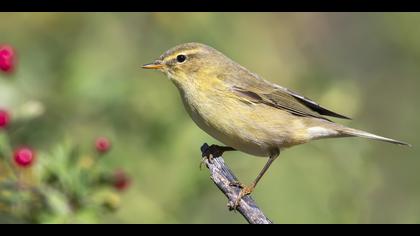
223, 177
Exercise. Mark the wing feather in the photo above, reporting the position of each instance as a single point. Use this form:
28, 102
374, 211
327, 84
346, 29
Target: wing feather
315, 106
257, 90
279, 101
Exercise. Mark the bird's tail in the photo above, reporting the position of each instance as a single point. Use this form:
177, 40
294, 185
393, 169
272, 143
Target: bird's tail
349, 132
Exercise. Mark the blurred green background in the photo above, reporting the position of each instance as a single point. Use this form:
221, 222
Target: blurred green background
84, 69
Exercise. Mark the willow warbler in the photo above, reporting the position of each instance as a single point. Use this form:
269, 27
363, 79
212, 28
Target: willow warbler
244, 111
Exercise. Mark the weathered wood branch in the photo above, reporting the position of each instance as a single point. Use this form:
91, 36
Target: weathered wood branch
222, 176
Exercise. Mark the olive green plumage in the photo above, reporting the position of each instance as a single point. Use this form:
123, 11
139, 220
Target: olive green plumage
244, 111
209, 82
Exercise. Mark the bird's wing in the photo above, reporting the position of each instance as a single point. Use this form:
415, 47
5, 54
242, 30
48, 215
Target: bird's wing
315, 106
264, 92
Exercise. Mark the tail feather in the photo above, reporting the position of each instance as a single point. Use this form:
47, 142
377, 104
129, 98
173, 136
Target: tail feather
359, 133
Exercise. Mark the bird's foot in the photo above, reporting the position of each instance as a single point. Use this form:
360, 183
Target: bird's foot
210, 152
237, 184
203, 160
214, 150
245, 191
206, 154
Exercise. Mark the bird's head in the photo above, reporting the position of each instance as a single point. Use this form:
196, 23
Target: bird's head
190, 62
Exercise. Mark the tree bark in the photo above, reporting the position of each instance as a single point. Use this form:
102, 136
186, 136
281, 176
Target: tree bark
223, 177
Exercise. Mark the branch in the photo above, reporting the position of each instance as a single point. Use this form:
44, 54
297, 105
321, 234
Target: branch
222, 176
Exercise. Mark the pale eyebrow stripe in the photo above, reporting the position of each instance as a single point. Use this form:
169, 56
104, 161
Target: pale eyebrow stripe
187, 52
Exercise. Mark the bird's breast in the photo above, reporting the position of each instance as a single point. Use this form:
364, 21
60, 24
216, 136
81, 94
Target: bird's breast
229, 120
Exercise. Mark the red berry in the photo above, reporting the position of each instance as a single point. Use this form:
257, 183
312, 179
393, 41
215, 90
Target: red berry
103, 145
121, 180
24, 157
4, 119
7, 58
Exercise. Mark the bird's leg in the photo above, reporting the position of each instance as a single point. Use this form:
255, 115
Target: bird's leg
209, 152
246, 190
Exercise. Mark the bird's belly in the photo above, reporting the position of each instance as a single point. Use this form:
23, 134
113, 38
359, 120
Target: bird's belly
233, 135
247, 128
241, 140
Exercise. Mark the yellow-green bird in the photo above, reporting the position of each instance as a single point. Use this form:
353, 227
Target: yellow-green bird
243, 110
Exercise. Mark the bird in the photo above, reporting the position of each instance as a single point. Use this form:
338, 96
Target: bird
244, 111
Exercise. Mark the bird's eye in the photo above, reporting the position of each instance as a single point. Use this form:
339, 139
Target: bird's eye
181, 58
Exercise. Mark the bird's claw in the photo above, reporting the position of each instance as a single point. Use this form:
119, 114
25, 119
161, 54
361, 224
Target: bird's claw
237, 184
208, 158
209, 152
245, 191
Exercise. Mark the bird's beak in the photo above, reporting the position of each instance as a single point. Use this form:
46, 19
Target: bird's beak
155, 65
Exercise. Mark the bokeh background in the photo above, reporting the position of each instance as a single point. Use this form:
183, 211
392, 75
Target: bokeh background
84, 70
